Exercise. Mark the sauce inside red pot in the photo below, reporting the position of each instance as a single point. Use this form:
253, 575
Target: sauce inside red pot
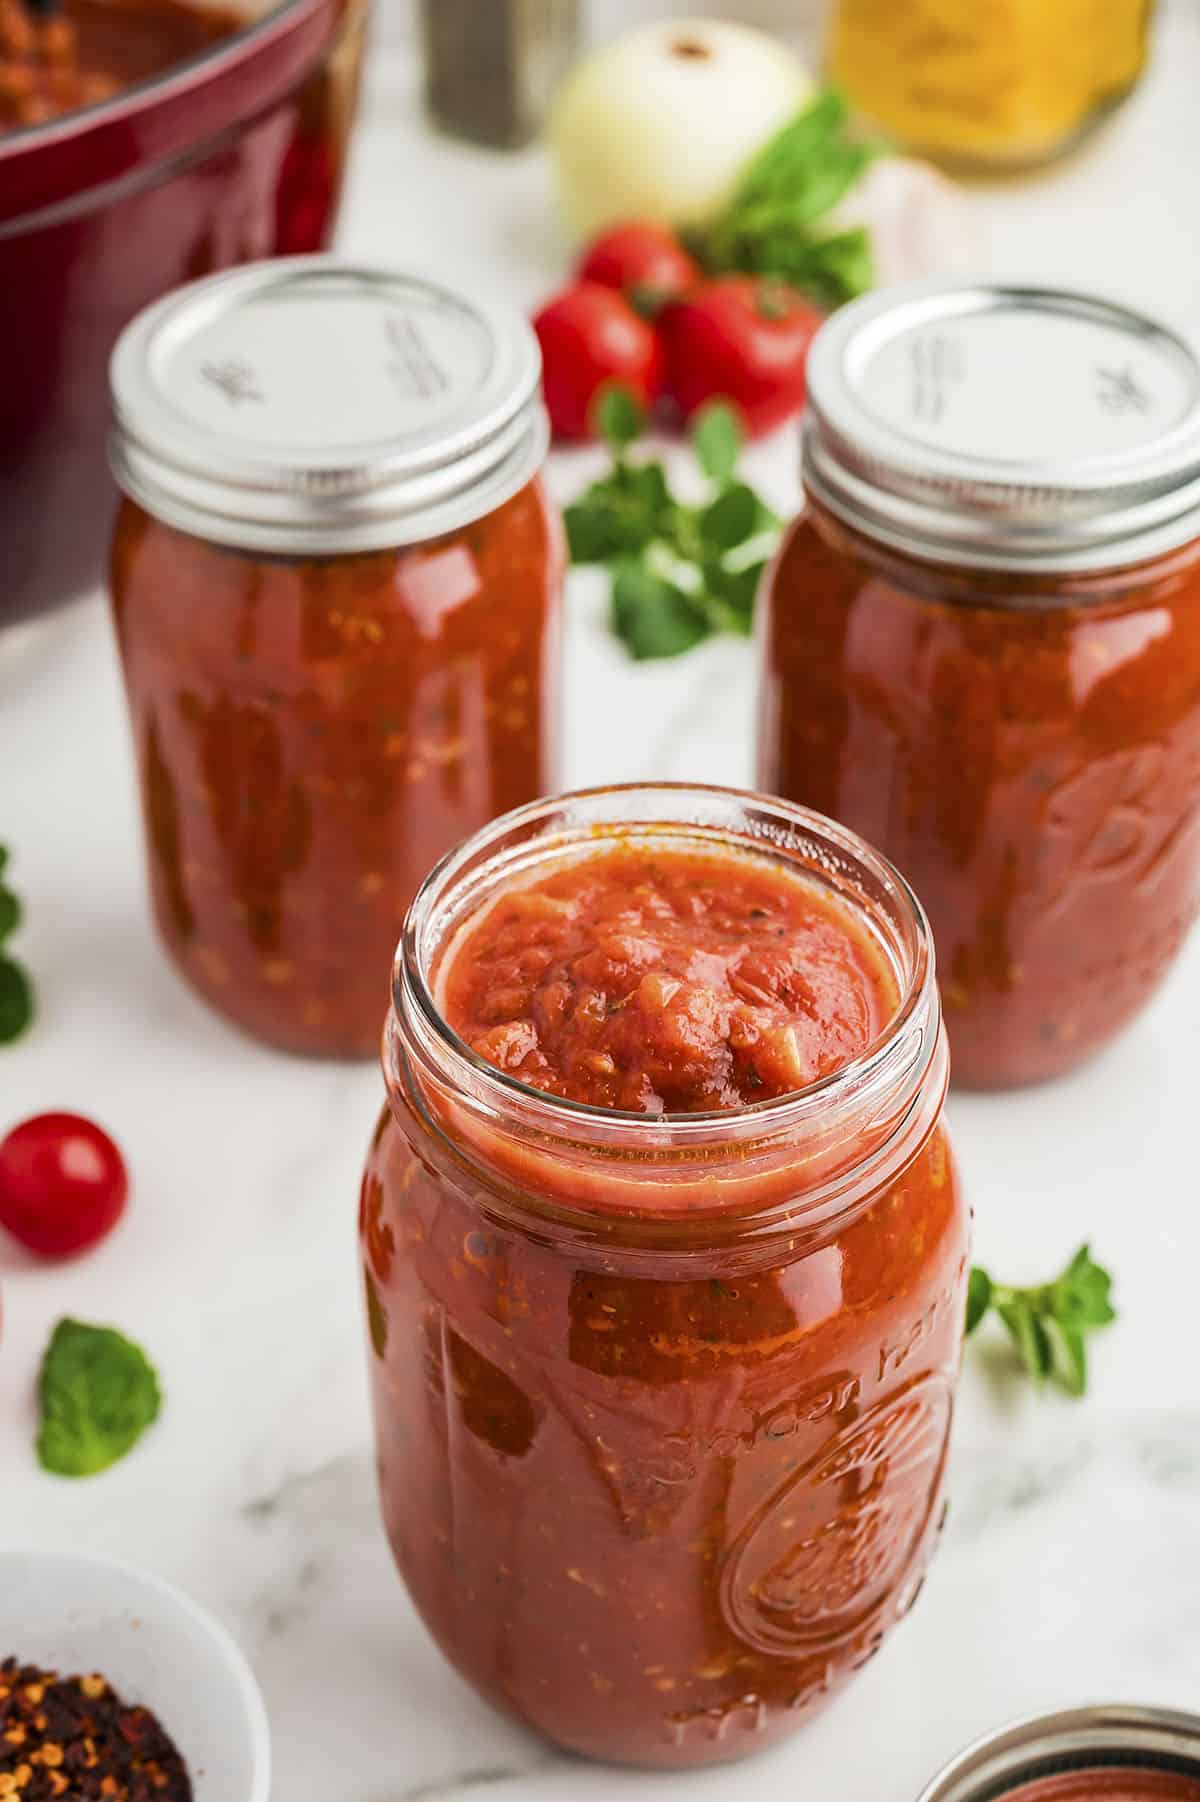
89, 50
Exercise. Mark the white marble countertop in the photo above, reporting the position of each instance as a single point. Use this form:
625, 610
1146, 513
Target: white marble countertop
1071, 1565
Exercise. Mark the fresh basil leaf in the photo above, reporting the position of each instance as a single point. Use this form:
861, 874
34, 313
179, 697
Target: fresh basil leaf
979, 1297
829, 269
10, 912
717, 441
99, 1393
16, 1001
618, 416
772, 225
803, 142
731, 518
652, 617
3, 858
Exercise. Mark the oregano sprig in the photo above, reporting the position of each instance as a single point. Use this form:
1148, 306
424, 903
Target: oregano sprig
678, 573
16, 990
1049, 1323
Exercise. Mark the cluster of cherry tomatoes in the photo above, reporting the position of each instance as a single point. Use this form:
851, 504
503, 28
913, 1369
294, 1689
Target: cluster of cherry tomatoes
641, 313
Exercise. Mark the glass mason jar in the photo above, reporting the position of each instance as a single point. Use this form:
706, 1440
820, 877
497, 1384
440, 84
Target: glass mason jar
993, 87
662, 1403
981, 646
1115, 1753
336, 582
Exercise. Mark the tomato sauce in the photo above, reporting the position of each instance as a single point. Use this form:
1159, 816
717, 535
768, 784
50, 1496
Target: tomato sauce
1110, 1784
1026, 749
666, 983
90, 50
661, 1420
313, 734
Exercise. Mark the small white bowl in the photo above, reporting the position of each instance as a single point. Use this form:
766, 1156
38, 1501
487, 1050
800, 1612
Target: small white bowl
76, 1615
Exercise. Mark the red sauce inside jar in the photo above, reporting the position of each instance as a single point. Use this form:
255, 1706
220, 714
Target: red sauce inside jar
660, 1504
1109, 1784
314, 733
1026, 748
666, 982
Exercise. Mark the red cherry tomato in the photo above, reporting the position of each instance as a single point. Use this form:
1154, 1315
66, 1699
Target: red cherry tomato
646, 262
591, 336
62, 1184
743, 339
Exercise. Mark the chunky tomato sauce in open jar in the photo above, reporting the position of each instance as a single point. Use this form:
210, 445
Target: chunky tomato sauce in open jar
982, 648
664, 1259
1114, 1753
336, 583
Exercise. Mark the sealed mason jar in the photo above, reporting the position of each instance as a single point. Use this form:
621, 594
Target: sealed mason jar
336, 581
990, 86
663, 1388
981, 648
1111, 1753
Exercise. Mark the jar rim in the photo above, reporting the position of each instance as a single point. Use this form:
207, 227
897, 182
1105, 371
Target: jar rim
903, 1050
1102, 1736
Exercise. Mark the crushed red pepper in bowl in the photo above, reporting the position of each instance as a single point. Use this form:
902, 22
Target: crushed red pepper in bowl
74, 1737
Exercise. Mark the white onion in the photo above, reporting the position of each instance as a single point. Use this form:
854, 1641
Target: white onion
659, 124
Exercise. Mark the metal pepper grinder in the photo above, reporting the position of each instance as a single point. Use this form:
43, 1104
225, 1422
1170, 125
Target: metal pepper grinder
492, 65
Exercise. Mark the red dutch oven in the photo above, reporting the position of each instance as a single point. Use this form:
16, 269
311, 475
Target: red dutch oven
234, 155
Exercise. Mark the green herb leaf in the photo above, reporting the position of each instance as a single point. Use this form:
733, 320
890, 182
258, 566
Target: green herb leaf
652, 616
99, 1393
730, 594
772, 225
979, 1297
1028, 1334
16, 1001
623, 512
16, 990
1049, 1323
678, 573
10, 912
730, 519
717, 441
619, 418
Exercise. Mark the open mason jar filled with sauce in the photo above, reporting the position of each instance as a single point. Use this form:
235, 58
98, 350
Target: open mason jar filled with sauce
982, 648
1111, 1753
336, 581
665, 1260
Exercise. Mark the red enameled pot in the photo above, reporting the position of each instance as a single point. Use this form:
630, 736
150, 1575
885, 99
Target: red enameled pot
234, 155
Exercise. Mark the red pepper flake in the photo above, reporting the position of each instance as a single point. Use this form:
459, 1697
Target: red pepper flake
74, 1738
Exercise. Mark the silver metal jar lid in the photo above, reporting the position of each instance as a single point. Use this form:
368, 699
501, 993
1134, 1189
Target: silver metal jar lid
1005, 427
1109, 1737
314, 406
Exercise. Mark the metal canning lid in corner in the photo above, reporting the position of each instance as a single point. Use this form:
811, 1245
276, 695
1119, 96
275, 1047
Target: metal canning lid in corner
314, 406
1114, 1736
1005, 427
